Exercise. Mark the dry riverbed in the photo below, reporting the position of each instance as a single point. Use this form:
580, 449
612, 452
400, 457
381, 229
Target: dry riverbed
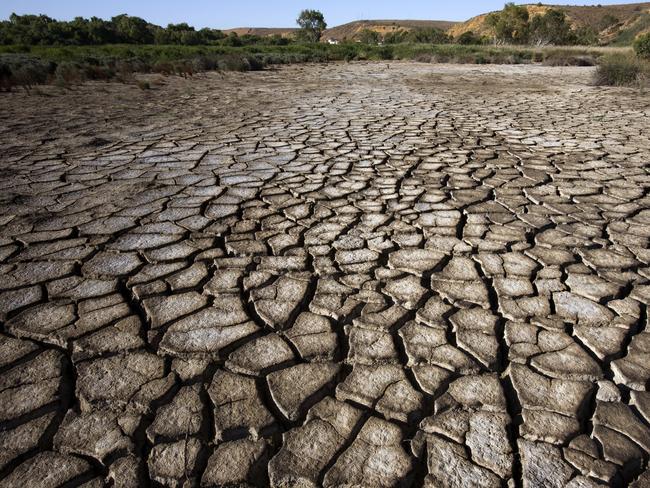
361, 274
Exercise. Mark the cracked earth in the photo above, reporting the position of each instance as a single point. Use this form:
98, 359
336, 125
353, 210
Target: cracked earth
347, 275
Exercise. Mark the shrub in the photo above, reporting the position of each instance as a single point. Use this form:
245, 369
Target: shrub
256, 63
163, 67
642, 46
22, 70
69, 74
5, 77
205, 63
469, 38
234, 62
93, 72
564, 58
617, 70
382, 53
184, 68
481, 59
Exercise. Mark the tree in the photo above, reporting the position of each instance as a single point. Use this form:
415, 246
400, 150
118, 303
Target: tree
369, 36
100, 31
132, 30
607, 21
642, 46
550, 28
32, 29
232, 40
510, 25
40, 29
584, 36
312, 24
427, 35
395, 37
210, 36
277, 40
469, 38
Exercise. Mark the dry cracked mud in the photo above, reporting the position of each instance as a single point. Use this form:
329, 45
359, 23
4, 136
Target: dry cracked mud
345, 275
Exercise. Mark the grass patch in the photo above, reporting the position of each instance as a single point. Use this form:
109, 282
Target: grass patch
628, 70
564, 58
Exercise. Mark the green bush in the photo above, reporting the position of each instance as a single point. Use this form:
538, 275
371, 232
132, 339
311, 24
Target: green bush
95, 72
5, 77
23, 70
642, 46
469, 38
617, 70
234, 63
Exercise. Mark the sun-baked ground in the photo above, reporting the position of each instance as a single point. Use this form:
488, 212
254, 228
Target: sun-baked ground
330, 275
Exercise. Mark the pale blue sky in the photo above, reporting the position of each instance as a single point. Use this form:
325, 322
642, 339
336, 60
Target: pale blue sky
259, 13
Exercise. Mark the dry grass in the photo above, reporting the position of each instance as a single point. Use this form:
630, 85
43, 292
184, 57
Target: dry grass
627, 70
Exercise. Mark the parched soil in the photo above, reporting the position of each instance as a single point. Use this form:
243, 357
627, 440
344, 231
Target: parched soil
333, 275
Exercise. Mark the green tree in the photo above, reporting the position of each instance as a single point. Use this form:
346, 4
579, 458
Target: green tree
585, 36
510, 25
210, 36
642, 46
40, 29
100, 31
232, 40
469, 38
312, 24
277, 40
369, 36
607, 21
132, 30
427, 35
550, 28
32, 29
395, 37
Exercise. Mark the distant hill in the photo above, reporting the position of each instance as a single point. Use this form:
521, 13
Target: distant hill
351, 30
262, 31
613, 23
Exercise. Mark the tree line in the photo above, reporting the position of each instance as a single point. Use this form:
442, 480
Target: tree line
122, 29
514, 25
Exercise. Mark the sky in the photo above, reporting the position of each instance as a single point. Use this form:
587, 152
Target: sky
224, 14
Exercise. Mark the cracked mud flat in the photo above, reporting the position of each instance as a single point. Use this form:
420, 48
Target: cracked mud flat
343, 275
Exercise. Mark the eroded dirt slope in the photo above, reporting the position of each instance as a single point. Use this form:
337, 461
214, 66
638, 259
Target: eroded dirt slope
344, 275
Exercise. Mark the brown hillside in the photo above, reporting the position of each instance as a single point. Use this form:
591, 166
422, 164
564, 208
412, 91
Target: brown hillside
262, 31
352, 29
610, 21
594, 16
614, 23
